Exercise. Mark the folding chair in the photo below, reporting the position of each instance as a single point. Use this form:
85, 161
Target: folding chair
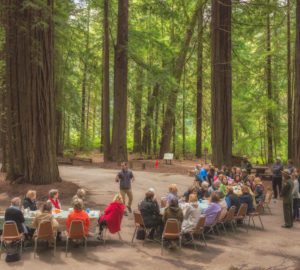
76, 233
267, 201
228, 219
198, 230
171, 232
241, 214
11, 234
139, 223
257, 213
45, 232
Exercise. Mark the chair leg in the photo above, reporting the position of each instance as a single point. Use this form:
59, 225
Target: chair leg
85, 244
54, 250
162, 245
248, 223
224, 228
21, 249
35, 247
120, 237
218, 231
204, 240
253, 222
180, 244
1, 247
262, 226
67, 244
134, 234
193, 240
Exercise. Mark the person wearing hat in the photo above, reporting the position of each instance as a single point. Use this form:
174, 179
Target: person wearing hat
246, 164
287, 194
277, 176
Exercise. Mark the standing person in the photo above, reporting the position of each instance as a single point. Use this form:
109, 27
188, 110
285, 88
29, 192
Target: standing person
287, 194
203, 174
246, 164
296, 197
125, 178
277, 176
53, 198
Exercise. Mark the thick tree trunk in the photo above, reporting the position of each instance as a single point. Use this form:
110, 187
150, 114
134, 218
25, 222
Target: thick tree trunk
155, 131
168, 121
297, 90
183, 113
119, 142
289, 84
30, 92
137, 138
199, 85
221, 83
105, 88
269, 92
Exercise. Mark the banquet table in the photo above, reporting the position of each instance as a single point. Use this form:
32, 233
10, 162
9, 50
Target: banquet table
203, 205
61, 219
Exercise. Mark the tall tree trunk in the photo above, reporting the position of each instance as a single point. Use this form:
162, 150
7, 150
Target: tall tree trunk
269, 92
199, 85
221, 83
105, 121
168, 121
155, 135
297, 90
183, 113
30, 92
119, 143
137, 140
84, 84
289, 84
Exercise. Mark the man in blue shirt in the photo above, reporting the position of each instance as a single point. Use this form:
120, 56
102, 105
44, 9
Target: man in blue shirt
203, 174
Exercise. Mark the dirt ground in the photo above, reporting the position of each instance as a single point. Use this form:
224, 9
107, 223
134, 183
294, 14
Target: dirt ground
273, 248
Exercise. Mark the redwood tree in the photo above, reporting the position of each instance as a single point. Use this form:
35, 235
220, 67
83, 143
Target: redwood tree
119, 133
221, 83
30, 91
296, 151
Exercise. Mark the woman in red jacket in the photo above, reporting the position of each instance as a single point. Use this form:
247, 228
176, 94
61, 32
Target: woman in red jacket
112, 216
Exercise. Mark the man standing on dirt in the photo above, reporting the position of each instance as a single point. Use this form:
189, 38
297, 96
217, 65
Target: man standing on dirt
125, 178
286, 193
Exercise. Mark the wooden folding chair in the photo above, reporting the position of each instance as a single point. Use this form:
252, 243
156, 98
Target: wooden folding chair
257, 213
228, 219
171, 232
76, 233
45, 232
241, 214
139, 224
198, 231
267, 201
11, 234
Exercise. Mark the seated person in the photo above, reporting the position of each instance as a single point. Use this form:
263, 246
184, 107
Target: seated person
14, 213
238, 171
232, 199
78, 213
46, 214
225, 171
150, 213
210, 176
112, 216
53, 198
224, 183
222, 201
81, 193
258, 190
203, 193
233, 172
30, 200
247, 198
251, 181
237, 180
213, 209
244, 177
172, 193
173, 211
214, 187
191, 214
186, 195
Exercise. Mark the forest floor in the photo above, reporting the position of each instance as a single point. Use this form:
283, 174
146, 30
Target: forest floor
274, 248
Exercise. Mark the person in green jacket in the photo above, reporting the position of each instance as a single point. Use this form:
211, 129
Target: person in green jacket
286, 193
224, 183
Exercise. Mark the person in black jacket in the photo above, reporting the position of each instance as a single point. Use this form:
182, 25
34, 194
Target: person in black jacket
246, 198
151, 213
30, 200
232, 199
14, 213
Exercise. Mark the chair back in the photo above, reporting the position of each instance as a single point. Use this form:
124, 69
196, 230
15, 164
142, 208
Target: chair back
76, 229
243, 210
200, 224
230, 214
138, 219
10, 230
260, 208
163, 202
222, 215
171, 230
45, 230
216, 219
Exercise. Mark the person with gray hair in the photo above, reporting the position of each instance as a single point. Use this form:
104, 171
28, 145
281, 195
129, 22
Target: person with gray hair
53, 198
214, 187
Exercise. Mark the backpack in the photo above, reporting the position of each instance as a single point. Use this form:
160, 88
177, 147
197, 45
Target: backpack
12, 256
140, 234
